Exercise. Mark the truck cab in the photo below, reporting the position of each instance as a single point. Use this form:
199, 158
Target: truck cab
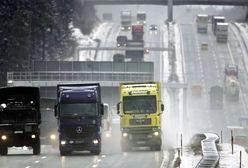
126, 20
121, 41
140, 110
79, 110
20, 118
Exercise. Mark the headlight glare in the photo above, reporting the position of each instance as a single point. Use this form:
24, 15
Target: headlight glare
156, 133
52, 137
4, 137
95, 141
63, 142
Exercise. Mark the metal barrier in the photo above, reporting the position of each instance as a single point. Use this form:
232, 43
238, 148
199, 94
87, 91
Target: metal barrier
78, 76
210, 154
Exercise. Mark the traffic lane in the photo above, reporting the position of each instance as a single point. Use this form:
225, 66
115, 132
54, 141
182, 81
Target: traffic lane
49, 157
111, 156
154, 40
115, 158
191, 54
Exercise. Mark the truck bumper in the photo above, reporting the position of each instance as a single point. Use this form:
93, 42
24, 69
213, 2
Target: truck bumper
91, 144
19, 140
149, 138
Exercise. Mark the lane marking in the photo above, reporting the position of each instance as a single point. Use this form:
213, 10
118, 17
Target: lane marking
230, 52
43, 157
27, 166
37, 161
95, 165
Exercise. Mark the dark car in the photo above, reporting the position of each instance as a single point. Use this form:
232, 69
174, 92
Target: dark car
153, 27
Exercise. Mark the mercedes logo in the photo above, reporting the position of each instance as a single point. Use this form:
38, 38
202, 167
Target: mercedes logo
79, 130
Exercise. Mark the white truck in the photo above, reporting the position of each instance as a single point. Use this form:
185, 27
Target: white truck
141, 17
215, 20
126, 20
202, 23
222, 32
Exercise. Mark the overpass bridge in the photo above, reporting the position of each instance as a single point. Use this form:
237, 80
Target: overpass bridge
165, 2
47, 74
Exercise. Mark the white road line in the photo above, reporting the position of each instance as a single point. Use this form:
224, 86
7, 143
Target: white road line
230, 52
94, 165
43, 157
37, 161
27, 166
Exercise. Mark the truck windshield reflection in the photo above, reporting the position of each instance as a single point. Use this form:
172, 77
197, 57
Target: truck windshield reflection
78, 109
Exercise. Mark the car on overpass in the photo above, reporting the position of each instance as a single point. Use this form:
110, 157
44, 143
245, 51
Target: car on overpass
153, 27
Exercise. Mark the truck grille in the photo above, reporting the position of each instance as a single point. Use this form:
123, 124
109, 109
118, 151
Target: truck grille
144, 121
79, 131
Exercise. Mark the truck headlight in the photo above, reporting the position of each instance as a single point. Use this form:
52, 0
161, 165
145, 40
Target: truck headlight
156, 133
62, 142
95, 141
124, 134
33, 136
53, 137
4, 137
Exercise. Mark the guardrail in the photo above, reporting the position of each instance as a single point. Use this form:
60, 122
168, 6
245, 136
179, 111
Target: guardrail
210, 154
78, 76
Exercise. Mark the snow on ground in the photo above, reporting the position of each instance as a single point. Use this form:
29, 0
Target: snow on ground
229, 160
99, 33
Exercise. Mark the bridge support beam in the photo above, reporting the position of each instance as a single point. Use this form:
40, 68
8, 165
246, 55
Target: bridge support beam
170, 11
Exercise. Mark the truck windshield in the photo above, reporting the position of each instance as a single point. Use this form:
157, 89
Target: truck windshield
78, 109
139, 104
17, 112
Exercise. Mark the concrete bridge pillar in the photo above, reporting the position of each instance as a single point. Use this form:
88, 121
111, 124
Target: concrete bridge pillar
170, 11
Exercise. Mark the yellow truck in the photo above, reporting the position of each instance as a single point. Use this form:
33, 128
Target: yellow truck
140, 110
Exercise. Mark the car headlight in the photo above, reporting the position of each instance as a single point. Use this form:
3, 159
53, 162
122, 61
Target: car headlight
33, 136
4, 137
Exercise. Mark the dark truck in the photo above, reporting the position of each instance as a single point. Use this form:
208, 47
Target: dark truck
19, 118
135, 50
79, 110
121, 41
216, 97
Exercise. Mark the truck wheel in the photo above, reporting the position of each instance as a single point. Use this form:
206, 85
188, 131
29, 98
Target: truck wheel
36, 147
156, 147
65, 153
3, 150
95, 152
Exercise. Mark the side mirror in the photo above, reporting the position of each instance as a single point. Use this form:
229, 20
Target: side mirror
102, 109
56, 111
118, 107
162, 107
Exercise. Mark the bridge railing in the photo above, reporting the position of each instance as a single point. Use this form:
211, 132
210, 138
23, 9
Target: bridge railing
78, 76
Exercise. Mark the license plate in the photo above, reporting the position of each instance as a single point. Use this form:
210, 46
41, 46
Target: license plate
18, 132
79, 142
141, 142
